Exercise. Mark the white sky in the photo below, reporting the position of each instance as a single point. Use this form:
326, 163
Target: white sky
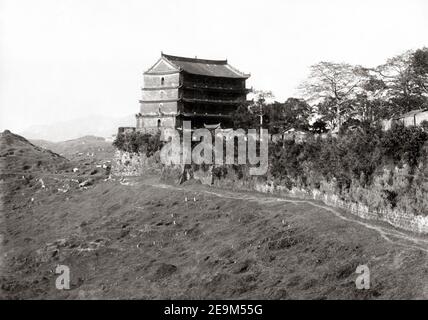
64, 59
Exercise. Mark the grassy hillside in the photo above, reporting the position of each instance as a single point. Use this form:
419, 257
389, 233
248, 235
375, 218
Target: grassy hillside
18, 155
138, 238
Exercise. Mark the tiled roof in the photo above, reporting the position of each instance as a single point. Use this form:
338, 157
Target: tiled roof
213, 68
411, 113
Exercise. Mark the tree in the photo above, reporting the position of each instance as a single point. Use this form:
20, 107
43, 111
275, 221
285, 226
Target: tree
369, 109
244, 118
293, 113
259, 103
332, 86
369, 104
419, 65
406, 80
319, 127
333, 114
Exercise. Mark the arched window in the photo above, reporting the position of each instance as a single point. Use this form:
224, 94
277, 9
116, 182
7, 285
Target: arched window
159, 123
162, 81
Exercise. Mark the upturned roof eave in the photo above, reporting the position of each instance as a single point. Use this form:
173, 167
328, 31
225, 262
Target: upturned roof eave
170, 59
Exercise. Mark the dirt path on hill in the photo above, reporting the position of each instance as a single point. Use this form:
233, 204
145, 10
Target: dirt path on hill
389, 233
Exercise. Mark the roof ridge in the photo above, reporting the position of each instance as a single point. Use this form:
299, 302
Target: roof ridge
171, 57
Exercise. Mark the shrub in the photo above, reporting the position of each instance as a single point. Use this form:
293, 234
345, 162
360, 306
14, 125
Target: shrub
404, 144
353, 160
137, 142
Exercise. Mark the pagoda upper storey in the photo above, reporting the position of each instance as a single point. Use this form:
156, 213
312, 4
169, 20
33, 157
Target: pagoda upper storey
179, 86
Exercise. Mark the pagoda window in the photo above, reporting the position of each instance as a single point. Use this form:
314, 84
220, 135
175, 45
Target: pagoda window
159, 123
162, 81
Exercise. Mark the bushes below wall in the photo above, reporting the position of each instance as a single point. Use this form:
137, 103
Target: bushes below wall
384, 170
137, 142
349, 158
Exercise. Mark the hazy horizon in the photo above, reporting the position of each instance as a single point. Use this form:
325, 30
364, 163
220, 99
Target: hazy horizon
64, 59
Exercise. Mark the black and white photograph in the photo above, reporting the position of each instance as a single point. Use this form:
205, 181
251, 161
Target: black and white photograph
238, 152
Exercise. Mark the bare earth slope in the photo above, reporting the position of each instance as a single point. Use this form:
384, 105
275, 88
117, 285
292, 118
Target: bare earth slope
139, 238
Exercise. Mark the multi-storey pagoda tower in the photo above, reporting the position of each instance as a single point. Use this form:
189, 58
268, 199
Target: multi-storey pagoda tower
177, 89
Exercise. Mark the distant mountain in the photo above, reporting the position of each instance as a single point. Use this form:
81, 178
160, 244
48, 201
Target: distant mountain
86, 144
100, 126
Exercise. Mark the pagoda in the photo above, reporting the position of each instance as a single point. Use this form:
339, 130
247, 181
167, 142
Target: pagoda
177, 89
